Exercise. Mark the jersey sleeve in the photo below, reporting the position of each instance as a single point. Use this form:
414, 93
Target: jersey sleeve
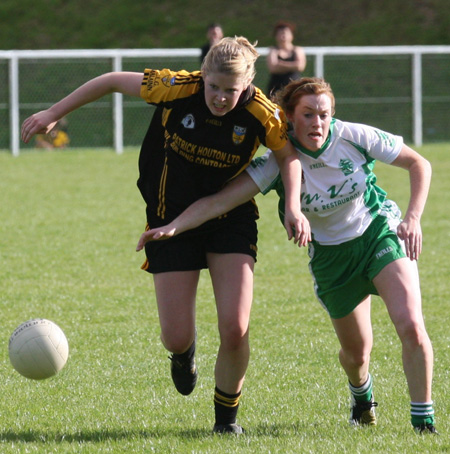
264, 171
159, 86
273, 119
380, 145
276, 130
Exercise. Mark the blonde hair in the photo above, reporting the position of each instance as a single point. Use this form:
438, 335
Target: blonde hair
232, 56
289, 96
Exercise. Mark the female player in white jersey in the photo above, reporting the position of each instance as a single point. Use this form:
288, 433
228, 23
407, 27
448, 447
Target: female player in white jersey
360, 244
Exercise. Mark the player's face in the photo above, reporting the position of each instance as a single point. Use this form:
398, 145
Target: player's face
222, 92
311, 120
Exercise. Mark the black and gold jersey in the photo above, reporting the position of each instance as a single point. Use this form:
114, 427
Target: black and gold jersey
188, 152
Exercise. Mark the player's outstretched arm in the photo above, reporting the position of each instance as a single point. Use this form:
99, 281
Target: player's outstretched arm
128, 83
235, 193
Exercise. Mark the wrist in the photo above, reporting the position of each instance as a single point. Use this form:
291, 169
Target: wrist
412, 216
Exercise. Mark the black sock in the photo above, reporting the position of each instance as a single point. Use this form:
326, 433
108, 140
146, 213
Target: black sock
226, 406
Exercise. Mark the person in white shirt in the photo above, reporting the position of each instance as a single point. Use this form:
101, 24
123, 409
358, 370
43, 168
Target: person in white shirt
360, 244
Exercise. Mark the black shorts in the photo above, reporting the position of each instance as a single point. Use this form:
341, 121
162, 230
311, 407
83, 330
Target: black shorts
187, 252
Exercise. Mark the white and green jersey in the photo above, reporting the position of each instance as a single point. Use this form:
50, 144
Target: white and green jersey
339, 195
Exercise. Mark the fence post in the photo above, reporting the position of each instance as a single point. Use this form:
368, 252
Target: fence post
417, 99
118, 110
318, 65
14, 104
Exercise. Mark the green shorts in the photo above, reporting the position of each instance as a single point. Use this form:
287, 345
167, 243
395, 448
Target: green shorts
343, 273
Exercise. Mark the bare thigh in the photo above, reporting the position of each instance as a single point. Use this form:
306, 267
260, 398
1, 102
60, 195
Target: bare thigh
232, 278
354, 331
175, 296
398, 286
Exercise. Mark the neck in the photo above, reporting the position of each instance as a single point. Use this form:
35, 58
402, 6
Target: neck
285, 46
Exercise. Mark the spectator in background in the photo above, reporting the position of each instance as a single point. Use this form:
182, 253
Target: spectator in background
285, 61
214, 34
56, 138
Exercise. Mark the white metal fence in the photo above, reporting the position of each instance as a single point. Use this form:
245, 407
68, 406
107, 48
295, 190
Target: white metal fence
402, 89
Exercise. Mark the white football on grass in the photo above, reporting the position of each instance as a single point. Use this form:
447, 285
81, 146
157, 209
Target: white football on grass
38, 349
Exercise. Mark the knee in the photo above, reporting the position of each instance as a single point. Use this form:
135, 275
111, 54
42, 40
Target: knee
233, 336
176, 341
413, 334
357, 358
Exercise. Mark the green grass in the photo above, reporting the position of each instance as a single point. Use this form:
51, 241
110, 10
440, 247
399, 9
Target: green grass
69, 224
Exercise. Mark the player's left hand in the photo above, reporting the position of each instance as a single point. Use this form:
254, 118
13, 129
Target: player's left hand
298, 228
410, 232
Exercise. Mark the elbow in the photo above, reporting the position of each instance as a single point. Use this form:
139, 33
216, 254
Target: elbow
111, 82
421, 169
429, 167
426, 167
301, 65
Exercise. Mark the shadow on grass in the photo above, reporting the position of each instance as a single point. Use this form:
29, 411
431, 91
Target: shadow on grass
102, 435
97, 436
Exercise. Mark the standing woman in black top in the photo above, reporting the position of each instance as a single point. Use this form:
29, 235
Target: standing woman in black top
285, 61
214, 34
205, 131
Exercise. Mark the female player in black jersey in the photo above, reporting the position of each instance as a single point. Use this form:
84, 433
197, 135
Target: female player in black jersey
207, 127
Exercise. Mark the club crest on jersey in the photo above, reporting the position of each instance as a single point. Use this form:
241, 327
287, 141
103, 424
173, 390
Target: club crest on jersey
188, 121
168, 81
238, 134
346, 166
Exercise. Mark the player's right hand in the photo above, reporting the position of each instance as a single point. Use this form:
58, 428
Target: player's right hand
156, 234
40, 123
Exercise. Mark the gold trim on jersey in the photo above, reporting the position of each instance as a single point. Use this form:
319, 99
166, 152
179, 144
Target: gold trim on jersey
161, 211
268, 112
166, 85
164, 117
145, 265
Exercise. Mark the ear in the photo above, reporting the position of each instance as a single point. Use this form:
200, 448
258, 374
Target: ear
247, 83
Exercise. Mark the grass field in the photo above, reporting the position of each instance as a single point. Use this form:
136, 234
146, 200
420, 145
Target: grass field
69, 224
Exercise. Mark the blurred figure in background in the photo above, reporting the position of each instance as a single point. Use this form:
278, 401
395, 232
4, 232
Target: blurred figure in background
214, 33
56, 138
285, 61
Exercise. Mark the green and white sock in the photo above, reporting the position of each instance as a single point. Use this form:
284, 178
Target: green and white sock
422, 413
362, 393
